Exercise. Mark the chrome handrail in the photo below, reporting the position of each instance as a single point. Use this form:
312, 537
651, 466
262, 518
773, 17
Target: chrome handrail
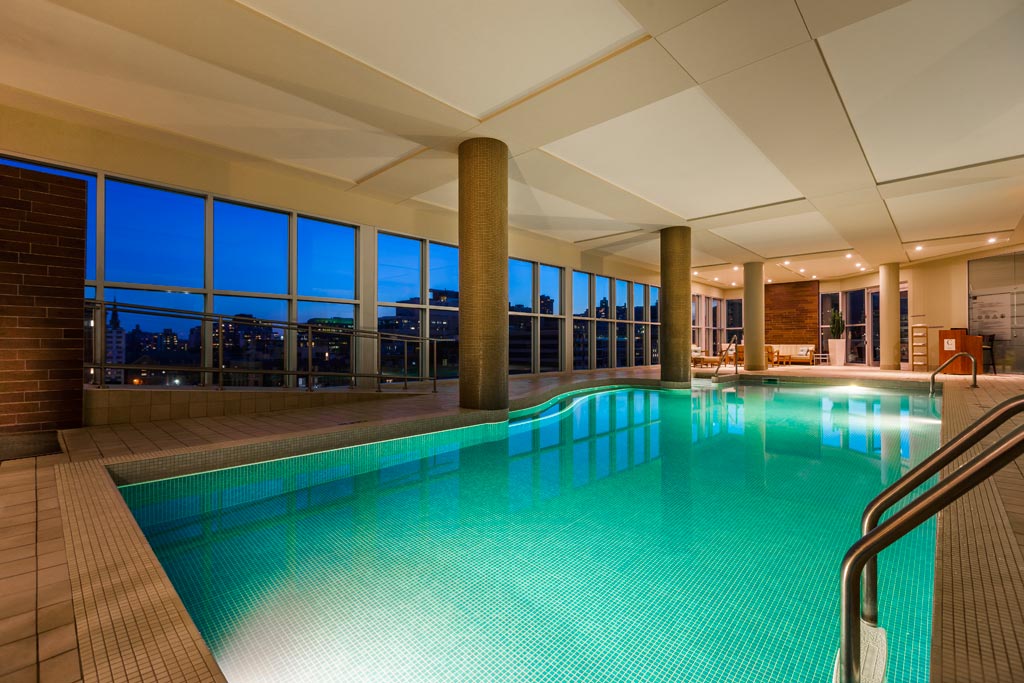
721, 356
218, 320
918, 475
958, 354
965, 478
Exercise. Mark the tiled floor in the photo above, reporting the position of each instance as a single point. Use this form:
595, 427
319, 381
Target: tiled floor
979, 620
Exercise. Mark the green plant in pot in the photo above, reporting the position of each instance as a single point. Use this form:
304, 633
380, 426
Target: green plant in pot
836, 345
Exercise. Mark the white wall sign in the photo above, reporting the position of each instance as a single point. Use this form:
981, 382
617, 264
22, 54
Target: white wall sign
990, 314
949, 344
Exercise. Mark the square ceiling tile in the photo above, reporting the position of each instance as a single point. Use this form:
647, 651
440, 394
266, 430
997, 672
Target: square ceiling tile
933, 84
681, 153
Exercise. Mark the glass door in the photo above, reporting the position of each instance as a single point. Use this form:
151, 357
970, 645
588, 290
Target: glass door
875, 350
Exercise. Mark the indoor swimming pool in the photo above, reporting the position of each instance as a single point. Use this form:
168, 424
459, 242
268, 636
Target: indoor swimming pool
615, 535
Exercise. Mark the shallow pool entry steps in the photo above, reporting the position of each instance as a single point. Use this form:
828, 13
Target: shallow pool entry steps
615, 535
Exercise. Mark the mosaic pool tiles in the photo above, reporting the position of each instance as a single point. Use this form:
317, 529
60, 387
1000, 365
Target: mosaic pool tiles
638, 535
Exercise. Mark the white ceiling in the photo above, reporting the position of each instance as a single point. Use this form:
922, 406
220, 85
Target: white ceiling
476, 56
779, 129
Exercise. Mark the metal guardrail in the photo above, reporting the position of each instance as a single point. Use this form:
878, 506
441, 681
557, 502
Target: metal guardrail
218, 321
958, 354
721, 357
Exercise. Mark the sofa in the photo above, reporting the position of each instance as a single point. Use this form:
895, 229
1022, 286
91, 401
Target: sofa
798, 353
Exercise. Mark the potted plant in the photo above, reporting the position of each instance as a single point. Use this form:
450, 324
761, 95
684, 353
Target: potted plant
836, 345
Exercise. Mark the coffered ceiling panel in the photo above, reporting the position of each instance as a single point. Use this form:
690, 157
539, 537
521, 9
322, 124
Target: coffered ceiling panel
475, 56
825, 16
533, 209
681, 153
975, 209
801, 234
918, 251
734, 34
59, 54
933, 84
658, 16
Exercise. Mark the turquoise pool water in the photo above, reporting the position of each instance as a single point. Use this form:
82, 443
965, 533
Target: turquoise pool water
626, 535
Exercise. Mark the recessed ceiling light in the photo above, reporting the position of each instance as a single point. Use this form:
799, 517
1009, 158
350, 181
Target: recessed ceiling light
695, 272
785, 263
716, 279
849, 256
863, 268
735, 267
857, 265
814, 277
801, 270
769, 280
918, 248
732, 284
991, 240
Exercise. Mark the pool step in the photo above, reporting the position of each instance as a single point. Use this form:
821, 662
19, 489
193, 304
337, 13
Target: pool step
874, 654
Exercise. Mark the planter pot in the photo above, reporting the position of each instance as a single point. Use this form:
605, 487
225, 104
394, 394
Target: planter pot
837, 352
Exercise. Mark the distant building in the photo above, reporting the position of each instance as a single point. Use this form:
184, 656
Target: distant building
115, 351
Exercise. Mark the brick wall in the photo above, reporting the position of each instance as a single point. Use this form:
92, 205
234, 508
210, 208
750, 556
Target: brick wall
42, 273
791, 313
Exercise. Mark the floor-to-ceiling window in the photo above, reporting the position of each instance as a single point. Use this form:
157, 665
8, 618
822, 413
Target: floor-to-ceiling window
400, 307
536, 317
443, 307
615, 322
734, 320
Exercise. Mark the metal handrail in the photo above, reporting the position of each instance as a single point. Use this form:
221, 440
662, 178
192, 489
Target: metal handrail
918, 475
721, 356
958, 354
965, 478
218, 320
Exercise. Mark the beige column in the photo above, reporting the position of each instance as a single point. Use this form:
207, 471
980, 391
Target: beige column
483, 274
753, 316
889, 316
675, 307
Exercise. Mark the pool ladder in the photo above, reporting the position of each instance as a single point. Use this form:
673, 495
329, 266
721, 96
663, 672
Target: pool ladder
861, 559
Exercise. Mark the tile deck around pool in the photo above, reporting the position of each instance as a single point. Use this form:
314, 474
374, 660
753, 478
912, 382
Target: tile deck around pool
126, 622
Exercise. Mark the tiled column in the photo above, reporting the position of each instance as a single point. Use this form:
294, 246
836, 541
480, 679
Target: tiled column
753, 316
675, 307
483, 274
889, 316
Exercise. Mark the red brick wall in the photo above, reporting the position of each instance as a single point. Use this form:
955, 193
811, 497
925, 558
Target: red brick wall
42, 273
791, 313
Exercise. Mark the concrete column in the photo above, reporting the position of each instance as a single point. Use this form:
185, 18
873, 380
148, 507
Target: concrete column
483, 274
675, 307
753, 316
889, 316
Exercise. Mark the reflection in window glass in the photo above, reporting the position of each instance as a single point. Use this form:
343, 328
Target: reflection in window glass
139, 219
550, 290
399, 357
639, 309
550, 344
331, 348
253, 345
444, 275
90, 182
654, 304
602, 346
855, 312
520, 286
399, 264
639, 334
655, 356
621, 299
250, 249
327, 259
520, 344
153, 338
621, 345
580, 344
444, 324
581, 294
602, 293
